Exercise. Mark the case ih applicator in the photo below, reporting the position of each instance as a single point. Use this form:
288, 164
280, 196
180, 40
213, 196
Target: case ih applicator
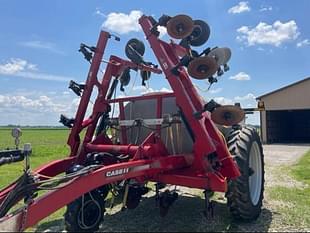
166, 138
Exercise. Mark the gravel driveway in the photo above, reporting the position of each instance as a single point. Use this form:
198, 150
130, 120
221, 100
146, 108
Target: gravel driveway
279, 154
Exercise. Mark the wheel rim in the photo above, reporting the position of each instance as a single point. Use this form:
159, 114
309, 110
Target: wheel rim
255, 180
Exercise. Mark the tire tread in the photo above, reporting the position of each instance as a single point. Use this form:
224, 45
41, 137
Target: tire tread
238, 198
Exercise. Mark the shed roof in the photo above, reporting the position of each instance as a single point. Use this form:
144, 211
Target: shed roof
283, 88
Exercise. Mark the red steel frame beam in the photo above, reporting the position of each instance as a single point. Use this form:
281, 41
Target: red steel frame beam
207, 138
168, 60
114, 68
74, 139
145, 169
145, 97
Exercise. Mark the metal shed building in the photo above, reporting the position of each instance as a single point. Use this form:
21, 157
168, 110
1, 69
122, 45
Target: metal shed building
286, 118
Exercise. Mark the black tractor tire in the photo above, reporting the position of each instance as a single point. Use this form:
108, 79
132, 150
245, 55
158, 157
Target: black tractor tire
87, 217
245, 194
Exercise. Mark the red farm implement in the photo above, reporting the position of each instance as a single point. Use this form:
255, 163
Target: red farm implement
170, 138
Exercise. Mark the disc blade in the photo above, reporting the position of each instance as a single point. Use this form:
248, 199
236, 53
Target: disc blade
200, 33
202, 67
219, 55
227, 115
134, 50
180, 26
227, 52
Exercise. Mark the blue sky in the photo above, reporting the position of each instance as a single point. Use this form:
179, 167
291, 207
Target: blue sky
270, 43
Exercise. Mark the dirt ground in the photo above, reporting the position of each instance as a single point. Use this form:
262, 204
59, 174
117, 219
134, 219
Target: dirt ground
186, 213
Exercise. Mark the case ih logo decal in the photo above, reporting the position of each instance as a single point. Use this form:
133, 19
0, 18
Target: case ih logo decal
117, 172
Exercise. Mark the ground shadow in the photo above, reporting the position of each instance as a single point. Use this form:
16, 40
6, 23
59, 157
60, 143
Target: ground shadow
185, 215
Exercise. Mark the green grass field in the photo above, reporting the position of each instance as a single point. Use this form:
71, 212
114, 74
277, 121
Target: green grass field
47, 145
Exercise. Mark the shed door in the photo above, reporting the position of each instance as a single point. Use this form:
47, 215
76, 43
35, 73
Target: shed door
288, 126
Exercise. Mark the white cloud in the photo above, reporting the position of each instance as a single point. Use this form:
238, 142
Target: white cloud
123, 23
15, 65
36, 108
164, 89
275, 34
223, 100
248, 99
98, 12
21, 68
32, 67
265, 8
241, 76
303, 43
143, 90
215, 91
239, 8
39, 104
36, 44
248, 96
151, 90
43, 76
162, 30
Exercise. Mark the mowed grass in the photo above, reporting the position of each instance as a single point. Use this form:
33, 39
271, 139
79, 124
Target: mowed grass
297, 197
47, 145
302, 170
